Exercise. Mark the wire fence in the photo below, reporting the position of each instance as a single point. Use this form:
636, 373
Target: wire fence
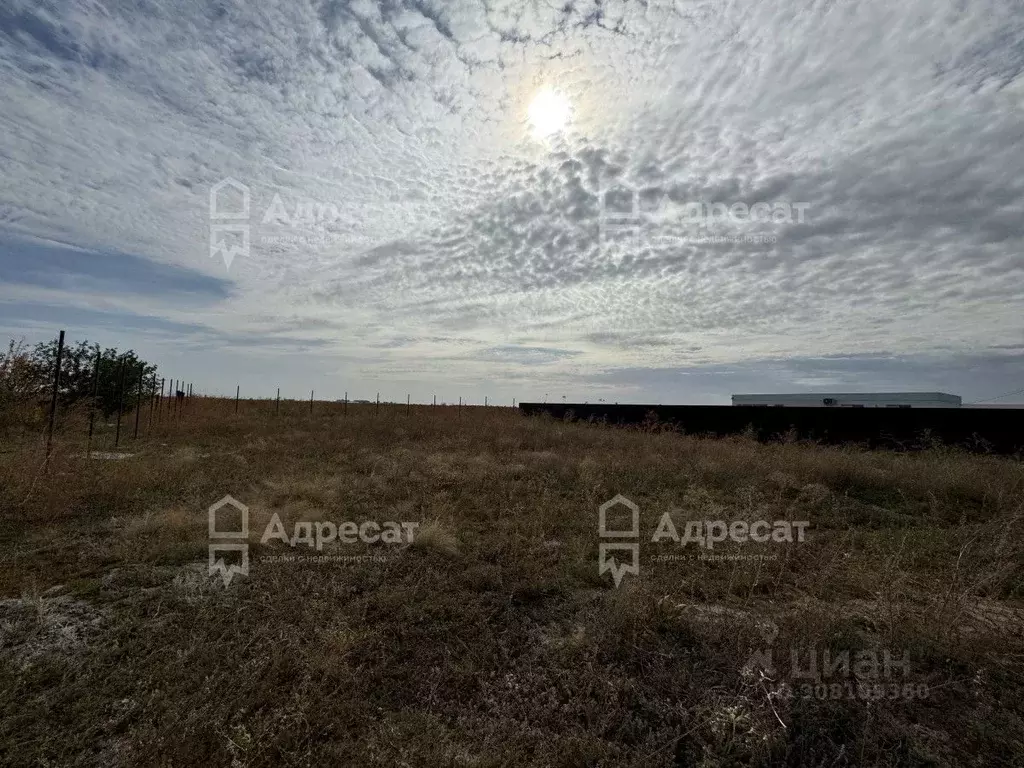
146, 403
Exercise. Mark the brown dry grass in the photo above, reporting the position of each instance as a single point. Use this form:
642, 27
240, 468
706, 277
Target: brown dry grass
492, 640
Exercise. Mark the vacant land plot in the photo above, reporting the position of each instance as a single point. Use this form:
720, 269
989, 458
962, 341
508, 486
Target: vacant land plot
891, 634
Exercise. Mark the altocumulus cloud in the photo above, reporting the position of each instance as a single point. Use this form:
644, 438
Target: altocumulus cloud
409, 229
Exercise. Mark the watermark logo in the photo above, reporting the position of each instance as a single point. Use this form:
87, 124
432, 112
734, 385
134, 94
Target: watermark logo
237, 224
619, 214
704, 533
829, 674
229, 220
239, 541
628, 540
315, 535
300, 223
635, 217
707, 533
228, 521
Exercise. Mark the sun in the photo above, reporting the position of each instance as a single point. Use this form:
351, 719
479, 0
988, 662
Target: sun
549, 112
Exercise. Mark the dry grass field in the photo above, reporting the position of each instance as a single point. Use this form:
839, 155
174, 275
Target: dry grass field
491, 639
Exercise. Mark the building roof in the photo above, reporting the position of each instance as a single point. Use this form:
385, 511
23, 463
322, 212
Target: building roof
852, 395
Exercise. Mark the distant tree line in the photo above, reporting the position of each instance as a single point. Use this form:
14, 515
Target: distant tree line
26, 375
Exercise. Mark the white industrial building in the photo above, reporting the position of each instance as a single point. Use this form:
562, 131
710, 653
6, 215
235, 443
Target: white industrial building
853, 400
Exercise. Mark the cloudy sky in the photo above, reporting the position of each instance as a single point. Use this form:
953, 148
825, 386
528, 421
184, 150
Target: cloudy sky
521, 199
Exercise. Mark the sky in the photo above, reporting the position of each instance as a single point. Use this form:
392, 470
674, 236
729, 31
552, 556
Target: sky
667, 201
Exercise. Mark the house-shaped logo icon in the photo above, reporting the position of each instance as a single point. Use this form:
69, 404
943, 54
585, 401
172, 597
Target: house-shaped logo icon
240, 544
619, 212
229, 200
229, 220
628, 544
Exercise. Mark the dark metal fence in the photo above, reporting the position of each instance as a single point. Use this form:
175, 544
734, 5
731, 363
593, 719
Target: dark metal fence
979, 429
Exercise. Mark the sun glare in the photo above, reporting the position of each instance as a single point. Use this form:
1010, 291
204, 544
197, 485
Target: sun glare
548, 112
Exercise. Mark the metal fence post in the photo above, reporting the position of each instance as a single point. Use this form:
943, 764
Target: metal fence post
92, 405
120, 400
138, 400
152, 399
53, 397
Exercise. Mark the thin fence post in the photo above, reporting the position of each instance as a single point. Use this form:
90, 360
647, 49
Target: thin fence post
435, 401
53, 397
277, 403
120, 400
460, 407
173, 395
345, 412
408, 404
311, 401
152, 400
238, 391
376, 408
138, 400
92, 405
485, 401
